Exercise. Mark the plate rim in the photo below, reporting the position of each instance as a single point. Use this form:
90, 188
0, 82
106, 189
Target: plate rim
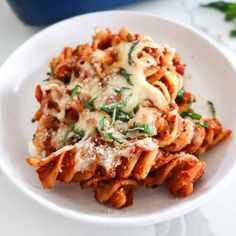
146, 219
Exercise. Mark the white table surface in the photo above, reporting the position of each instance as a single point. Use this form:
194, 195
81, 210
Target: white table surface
20, 215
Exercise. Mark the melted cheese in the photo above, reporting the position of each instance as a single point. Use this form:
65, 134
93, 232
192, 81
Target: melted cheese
106, 156
142, 90
103, 89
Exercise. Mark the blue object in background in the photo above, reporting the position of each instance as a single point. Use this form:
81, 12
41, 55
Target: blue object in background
43, 12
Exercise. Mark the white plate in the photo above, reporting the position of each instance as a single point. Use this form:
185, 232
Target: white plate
213, 77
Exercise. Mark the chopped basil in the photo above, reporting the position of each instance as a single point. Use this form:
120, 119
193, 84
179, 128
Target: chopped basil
101, 124
75, 90
33, 120
121, 89
212, 108
65, 138
126, 75
123, 116
228, 8
79, 133
108, 135
204, 125
116, 105
136, 108
190, 113
112, 137
76, 133
89, 104
113, 116
193, 115
232, 33
130, 60
47, 79
52, 71
219, 5
180, 94
145, 128
119, 113
190, 102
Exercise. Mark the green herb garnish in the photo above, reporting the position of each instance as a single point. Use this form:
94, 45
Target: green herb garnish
193, 115
79, 133
113, 116
130, 60
65, 138
89, 104
123, 116
232, 33
75, 90
121, 89
119, 113
76, 133
228, 8
47, 79
108, 135
190, 102
212, 108
136, 108
180, 94
52, 71
33, 120
117, 104
145, 128
126, 75
101, 124
204, 125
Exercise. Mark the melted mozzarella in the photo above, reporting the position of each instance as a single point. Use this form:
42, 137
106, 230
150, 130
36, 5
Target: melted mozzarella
142, 90
103, 89
106, 156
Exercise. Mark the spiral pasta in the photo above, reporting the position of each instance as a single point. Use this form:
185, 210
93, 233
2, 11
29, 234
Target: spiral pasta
113, 116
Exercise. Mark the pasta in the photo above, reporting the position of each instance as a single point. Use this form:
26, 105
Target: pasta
114, 116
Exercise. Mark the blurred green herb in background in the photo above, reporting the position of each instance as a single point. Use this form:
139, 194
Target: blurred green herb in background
228, 8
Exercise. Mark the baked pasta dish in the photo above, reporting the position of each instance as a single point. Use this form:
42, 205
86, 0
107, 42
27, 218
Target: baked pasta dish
114, 115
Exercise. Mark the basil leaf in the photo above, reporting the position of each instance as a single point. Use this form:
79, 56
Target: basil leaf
52, 71
120, 114
123, 116
121, 89
145, 128
193, 115
65, 138
126, 75
47, 79
113, 116
101, 123
180, 94
190, 102
232, 33
230, 14
228, 8
89, 104
116, 105
204, 125
108, 135
130, 60
79, 133
212, 108
220, 5
75, 90
136, 108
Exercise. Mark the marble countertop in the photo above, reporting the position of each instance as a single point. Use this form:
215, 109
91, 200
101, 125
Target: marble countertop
19, 215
